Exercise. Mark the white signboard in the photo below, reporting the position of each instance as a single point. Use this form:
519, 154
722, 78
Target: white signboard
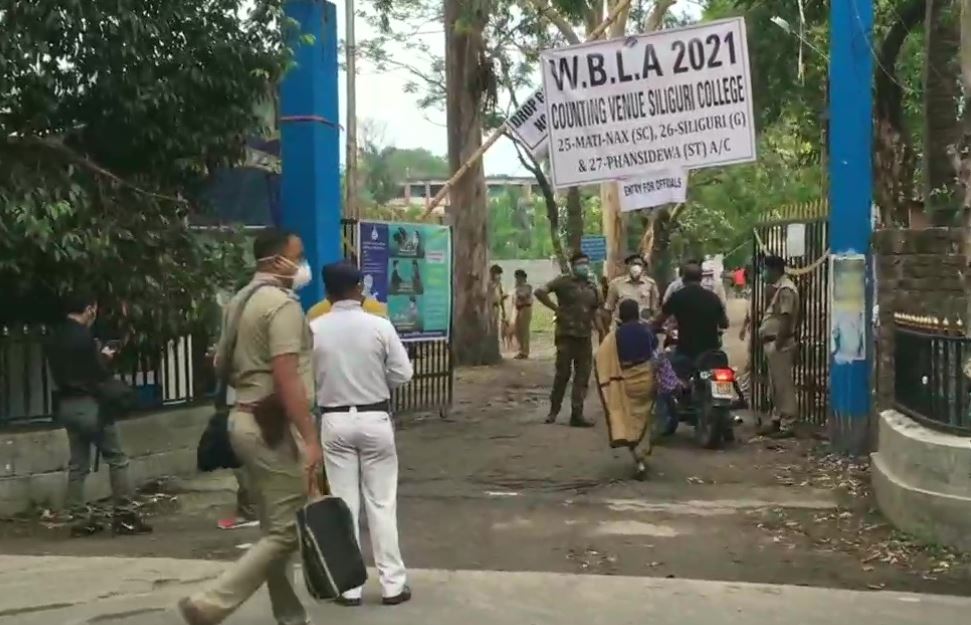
796, 240
674, 99
663, 187
528, 124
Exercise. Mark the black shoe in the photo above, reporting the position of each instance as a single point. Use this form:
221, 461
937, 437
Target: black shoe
129, 524
347, 603
404, 597
782, 433
640, 473
580, 422
551, 418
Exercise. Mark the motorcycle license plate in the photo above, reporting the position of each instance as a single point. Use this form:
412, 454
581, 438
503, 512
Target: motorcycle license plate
722, 390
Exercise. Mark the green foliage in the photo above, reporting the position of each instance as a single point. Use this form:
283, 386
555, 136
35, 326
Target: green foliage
112, 112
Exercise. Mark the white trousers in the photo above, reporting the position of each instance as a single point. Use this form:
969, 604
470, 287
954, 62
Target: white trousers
362, 462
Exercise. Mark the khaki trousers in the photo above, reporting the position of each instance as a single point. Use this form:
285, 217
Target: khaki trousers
276, 477
781, 366
524, 318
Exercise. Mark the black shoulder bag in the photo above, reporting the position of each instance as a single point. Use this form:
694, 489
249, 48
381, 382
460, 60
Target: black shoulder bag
215, 450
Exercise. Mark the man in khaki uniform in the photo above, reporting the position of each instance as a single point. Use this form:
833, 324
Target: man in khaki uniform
272, 355
523, 299
777, 333
634, 286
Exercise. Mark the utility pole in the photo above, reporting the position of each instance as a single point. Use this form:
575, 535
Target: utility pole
350, 50
310, 193
851, 199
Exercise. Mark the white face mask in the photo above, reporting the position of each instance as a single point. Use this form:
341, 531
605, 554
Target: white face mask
301, 278
635, 271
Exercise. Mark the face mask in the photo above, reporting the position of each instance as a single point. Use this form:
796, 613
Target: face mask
636, 271
581, 271
301, 277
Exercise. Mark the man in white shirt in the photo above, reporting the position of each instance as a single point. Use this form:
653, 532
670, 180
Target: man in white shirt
358, 361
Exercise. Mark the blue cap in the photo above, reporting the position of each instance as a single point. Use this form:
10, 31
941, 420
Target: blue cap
340, 277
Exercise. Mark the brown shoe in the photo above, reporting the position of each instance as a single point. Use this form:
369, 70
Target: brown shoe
404, 597
769, 429
191, 613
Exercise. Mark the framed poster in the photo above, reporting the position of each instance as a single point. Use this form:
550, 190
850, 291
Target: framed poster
408, 268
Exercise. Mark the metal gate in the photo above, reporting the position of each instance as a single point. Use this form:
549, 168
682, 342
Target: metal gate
431, 389
810, 272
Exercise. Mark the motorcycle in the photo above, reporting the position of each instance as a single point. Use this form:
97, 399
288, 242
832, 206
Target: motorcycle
706, 399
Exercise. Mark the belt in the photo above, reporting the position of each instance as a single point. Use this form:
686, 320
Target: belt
381, 406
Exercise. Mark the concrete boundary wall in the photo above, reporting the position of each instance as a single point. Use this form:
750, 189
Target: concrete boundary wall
922, 481
33, 464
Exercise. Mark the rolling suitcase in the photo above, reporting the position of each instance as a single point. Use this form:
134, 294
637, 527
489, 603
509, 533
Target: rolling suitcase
332, 561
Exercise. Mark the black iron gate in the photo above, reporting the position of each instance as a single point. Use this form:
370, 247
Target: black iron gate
810, 272
432, 387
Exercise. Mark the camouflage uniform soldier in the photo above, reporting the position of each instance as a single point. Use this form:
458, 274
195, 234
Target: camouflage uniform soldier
578, 300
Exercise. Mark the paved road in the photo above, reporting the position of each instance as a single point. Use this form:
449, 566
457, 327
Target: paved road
39, 590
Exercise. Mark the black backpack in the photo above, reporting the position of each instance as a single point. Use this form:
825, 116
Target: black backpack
215, 450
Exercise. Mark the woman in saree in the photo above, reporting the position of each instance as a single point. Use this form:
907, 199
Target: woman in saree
625, 378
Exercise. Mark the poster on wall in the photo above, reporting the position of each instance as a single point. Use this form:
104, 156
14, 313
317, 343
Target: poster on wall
408, 268
848, 301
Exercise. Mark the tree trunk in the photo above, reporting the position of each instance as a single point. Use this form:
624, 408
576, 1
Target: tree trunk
574, 220
894, 155
614, 224
941, 93
475, 334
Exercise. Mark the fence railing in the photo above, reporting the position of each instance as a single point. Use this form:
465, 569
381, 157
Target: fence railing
930, 384
178, 375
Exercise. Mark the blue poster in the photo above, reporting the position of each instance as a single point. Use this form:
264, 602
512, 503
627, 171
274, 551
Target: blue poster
594, 246
408, 268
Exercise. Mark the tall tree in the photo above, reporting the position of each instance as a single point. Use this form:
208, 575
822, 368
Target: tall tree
941, 94
470, 85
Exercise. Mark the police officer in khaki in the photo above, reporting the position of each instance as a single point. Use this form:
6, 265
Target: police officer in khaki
281, 458
578, 301
777, 333
637, 286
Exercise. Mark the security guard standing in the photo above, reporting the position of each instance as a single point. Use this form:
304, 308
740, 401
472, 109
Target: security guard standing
577, 302
634, 286
777, 333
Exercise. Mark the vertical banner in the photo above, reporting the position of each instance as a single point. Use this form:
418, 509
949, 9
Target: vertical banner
848, 299
408, 267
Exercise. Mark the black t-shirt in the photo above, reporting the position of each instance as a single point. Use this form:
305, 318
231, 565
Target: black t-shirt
700, 314
76, 365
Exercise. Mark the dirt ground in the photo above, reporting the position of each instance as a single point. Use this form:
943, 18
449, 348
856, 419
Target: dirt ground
495, 488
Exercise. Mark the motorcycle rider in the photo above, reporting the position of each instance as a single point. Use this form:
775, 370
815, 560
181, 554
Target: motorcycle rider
700, 316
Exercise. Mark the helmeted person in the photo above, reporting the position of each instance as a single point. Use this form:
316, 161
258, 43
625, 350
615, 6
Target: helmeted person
578, 302
636, 286
777, 333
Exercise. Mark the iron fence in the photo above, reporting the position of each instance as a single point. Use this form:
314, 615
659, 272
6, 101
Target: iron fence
930, 383
178, 375
810, 272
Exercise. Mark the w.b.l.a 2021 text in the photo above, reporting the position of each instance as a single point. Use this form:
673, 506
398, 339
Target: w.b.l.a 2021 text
696, 54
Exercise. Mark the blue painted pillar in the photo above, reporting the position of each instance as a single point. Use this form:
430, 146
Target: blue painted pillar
850, 193
310, 193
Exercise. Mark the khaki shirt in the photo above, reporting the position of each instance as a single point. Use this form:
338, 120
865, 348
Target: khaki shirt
782, 314
272, 324
523, 294
644, 291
